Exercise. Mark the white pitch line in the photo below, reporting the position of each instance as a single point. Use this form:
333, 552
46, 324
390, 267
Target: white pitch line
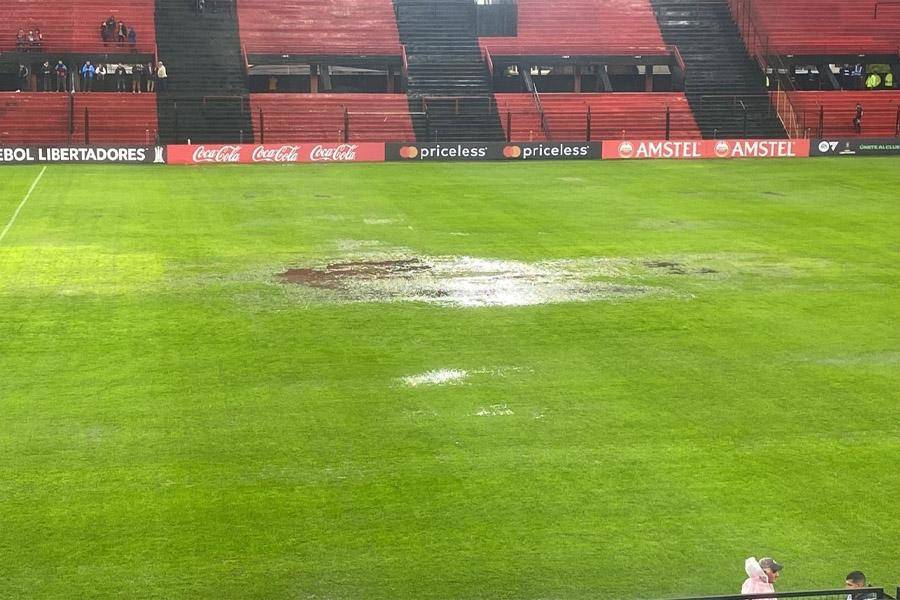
21, 204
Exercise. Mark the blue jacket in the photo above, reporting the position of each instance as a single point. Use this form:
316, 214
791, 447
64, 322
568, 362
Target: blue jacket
88, 71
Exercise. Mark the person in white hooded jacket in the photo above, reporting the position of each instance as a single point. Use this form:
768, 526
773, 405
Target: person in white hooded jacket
761, 576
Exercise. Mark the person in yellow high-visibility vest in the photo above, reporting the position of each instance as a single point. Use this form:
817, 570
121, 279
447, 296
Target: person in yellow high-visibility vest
873, 81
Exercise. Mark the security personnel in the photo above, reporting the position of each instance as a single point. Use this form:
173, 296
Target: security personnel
873, 81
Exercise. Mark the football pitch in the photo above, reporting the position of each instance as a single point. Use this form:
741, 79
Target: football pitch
448, 381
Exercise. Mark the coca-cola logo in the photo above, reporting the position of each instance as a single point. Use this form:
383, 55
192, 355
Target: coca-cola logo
342, 152
217, 154
283, 154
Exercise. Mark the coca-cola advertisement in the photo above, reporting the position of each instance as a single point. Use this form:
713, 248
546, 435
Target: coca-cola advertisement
275, 153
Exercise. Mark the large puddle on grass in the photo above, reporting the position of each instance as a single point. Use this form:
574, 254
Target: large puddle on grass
470, 282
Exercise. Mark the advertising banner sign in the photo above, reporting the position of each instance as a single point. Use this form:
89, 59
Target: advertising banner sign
477, 151
274, 153
856, 147
694, 149
25, 155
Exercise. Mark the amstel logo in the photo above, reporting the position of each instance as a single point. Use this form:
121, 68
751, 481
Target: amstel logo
512, 152
409, 152
626, 150
722, 149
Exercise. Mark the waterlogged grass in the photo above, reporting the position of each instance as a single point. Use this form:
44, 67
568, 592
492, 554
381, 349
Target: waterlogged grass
175, 422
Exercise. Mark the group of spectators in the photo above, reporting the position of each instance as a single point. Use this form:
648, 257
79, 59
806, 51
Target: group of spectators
90, 77
116, 32
33, 41
763, 573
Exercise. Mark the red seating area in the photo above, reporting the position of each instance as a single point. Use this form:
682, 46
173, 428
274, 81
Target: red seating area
320, 117
582, 27
829, 27
32, 118
117, 118
613, 116
74, 25
316, 27
879, 112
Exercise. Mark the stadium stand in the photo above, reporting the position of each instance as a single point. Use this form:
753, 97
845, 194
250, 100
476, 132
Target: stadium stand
34, 118
828, 27
279, 118
836, 110
116, 118
613, 116
73, 25
39, 118
582, 27
319, 27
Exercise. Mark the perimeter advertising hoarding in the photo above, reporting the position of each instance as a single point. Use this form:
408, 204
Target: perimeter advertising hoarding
475, 151
696, 149
29, 155
856, 147
274, 153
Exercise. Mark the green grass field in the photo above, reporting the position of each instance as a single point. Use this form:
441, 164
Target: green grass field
177, 422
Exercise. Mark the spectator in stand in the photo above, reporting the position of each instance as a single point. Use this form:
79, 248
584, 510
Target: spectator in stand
103, 34
150, 74
111, 29
87, 76
21, 41
31, 40
24, 72
761, 576
121, 33
136, 72
47, 77
38, 40
120, 77
857, 118
100, 76
162, 75
132, 38
62, 77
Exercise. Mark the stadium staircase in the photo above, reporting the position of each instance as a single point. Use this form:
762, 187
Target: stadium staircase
208, 99
724, 85
447, 75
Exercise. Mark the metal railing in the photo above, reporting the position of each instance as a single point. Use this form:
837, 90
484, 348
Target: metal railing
757, 45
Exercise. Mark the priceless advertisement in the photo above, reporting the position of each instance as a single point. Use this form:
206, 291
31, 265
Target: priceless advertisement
274, 153
475, 151
856, 147
28, 155
696, 149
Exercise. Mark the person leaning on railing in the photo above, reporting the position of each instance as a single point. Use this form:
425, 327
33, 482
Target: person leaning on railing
761, 576
857, 580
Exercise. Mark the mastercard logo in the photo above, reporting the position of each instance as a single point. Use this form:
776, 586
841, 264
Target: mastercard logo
409, 152
512, 152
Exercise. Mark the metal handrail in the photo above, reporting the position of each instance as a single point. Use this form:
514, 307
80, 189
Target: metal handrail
540, 106
405, 61
486, 55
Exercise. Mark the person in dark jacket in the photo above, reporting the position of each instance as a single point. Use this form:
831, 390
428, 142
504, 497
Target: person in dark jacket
46, 77
120, 77
24, 72
150, 74
121, 33
21, 41
132, 38
137, 71
62, 77
857, 118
